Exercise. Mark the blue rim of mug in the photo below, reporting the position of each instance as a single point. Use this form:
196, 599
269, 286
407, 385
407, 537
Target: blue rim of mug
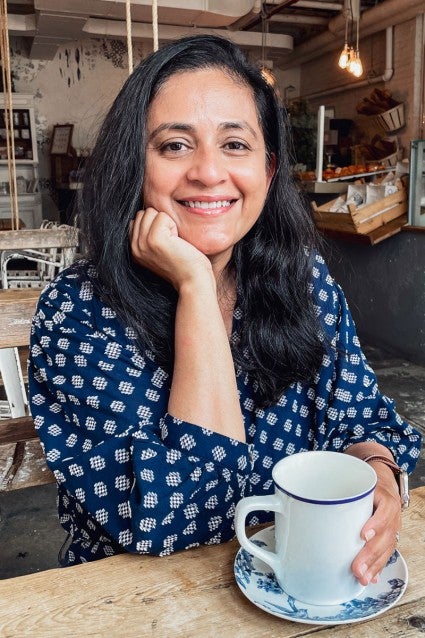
330, 501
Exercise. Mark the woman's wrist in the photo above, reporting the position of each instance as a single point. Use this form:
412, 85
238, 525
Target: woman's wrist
200, 282
365, 449
399, 474
382, 461
385, 477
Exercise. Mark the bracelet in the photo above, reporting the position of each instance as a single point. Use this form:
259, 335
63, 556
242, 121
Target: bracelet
377, 457
402, 477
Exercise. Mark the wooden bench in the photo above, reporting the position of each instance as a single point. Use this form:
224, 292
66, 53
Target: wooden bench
22, 462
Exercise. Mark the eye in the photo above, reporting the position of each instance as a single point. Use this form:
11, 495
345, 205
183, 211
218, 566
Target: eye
174, 147
236, 146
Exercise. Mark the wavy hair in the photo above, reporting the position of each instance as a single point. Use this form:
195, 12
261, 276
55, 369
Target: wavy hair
279, 334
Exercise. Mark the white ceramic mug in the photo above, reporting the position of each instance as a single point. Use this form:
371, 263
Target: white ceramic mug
321, 502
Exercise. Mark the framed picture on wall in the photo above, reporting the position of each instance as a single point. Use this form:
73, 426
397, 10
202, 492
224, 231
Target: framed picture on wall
61, 139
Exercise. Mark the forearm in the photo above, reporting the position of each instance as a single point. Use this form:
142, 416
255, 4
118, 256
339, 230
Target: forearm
204, 390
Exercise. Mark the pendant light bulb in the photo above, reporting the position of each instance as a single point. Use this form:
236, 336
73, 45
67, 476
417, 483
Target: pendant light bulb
355, 65
344, 57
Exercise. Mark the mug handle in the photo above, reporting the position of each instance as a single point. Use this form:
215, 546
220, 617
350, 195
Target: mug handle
250, 504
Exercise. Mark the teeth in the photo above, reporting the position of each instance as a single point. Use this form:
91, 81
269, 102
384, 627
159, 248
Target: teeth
222, 203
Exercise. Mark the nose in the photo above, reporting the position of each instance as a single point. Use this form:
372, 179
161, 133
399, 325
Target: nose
207, 167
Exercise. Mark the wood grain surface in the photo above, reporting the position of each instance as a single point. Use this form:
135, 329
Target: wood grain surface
65, 237
17, 309
190, 594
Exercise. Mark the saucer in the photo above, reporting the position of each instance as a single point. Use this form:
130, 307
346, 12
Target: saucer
256, 580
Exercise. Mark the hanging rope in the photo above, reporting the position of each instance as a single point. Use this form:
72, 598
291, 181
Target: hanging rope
129, 42
128, 25
8, 114
155, 24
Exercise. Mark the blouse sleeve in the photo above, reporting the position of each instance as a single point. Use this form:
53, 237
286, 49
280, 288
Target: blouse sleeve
154, 483
355, 409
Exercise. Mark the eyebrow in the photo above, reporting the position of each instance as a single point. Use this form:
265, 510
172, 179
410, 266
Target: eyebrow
188, 128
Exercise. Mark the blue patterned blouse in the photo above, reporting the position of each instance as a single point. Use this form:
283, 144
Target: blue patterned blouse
133, 478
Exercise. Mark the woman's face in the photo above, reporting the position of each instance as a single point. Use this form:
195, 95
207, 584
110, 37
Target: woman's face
206, 160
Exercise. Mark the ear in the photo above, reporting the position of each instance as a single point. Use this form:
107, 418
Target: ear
271, 169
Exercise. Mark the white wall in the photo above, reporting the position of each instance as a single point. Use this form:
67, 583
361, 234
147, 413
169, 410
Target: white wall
77, 87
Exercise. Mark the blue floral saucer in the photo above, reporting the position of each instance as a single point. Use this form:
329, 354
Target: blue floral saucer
257, 582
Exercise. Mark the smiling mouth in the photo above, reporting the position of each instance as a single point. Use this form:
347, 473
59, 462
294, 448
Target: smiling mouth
208, 206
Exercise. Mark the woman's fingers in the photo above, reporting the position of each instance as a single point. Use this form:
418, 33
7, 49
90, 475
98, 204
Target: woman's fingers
373, 558
381, 534
149, 233
141, 227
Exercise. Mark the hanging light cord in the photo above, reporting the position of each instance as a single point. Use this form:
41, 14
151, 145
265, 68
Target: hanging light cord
8, 113
264, 32
357, 34
346, 26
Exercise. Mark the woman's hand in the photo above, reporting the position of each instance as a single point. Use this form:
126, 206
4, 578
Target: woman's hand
156, 245
381, 531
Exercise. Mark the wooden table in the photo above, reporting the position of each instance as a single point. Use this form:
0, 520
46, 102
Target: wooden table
188, 594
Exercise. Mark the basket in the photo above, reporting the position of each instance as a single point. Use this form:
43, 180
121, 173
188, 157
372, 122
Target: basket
391, 160
377, 221
390, 120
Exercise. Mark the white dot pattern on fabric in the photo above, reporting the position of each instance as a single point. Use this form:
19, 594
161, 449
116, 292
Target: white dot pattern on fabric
133, 478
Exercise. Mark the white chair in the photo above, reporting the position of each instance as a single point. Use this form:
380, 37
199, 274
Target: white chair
50, 248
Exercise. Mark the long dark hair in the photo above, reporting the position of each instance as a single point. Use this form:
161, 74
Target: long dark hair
272, 265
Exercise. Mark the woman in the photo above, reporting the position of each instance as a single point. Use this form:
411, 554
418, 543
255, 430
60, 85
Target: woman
204, 338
